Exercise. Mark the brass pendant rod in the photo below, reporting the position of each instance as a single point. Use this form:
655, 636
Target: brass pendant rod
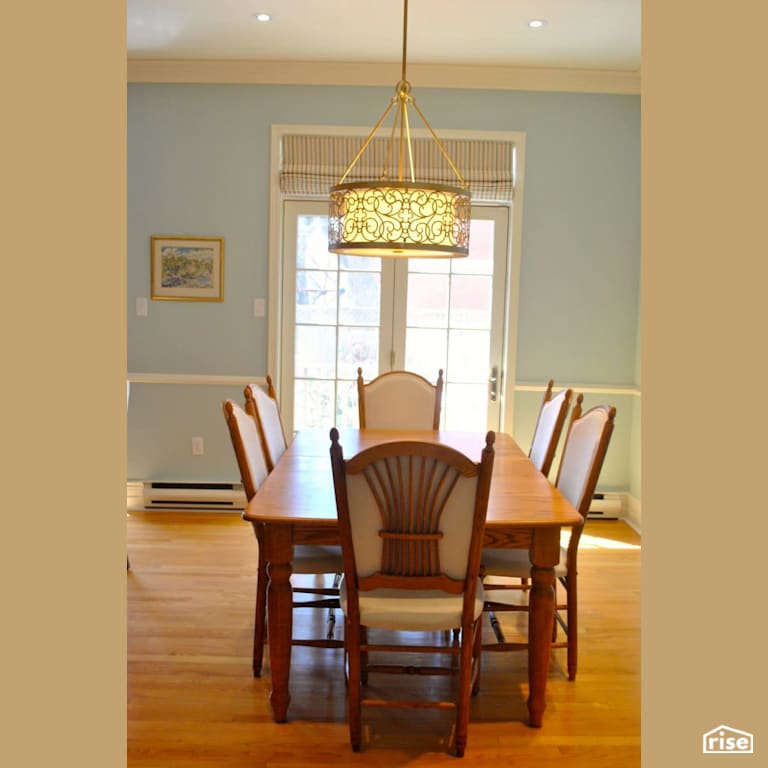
390, 144
408, 140
405, 36
403, 88
403, 143
399, 121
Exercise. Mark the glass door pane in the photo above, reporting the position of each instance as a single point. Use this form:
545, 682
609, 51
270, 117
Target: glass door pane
453, 312
332, 310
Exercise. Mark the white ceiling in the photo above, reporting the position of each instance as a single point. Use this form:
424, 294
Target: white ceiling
579, 34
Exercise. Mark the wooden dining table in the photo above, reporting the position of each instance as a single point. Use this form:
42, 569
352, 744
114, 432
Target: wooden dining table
296, 505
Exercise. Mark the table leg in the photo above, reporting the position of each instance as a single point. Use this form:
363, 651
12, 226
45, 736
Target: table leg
278, 545
540, 618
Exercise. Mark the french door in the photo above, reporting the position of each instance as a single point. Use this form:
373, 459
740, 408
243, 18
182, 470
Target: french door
344, 312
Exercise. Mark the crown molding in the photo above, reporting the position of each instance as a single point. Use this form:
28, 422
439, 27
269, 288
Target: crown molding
373, 74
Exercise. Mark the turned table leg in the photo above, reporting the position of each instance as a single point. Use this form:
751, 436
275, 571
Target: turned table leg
278, 542
545, 553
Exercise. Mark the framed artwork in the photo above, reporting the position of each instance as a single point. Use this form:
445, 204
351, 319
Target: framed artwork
187, 268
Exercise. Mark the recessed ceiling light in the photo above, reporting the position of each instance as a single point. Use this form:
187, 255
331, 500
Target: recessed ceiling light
537, 23
263, 17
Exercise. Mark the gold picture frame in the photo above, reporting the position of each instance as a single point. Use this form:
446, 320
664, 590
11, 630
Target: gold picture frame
187, 268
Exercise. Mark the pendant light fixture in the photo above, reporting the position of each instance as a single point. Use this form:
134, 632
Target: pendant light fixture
397, 215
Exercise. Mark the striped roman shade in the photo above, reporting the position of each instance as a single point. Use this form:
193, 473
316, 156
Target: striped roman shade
312, 164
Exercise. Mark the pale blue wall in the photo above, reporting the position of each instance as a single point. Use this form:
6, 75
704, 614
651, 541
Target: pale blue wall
198, 163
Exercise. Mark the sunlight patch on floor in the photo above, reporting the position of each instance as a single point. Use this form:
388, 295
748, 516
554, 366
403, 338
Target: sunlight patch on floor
597, 542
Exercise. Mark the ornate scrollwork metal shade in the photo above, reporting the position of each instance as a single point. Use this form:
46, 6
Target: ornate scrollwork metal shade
399, 219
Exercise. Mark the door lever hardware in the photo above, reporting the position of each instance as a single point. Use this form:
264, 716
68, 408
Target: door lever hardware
493, 384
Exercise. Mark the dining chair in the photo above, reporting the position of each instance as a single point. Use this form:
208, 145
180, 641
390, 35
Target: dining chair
307, 559
411, 520
264, 408
549, 426
546, 435
399, 400
586, 444
127, 404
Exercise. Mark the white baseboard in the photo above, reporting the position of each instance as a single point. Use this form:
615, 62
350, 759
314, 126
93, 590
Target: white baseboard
632, 517
135, 494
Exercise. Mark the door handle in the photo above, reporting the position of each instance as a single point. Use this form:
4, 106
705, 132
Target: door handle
493, 384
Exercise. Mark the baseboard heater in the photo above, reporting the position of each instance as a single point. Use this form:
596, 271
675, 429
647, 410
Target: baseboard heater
605, 506
187, 496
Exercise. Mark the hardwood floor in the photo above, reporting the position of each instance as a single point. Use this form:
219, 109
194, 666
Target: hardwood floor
193, 702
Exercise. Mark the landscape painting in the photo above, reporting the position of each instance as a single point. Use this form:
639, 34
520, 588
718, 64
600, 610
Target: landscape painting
187, 268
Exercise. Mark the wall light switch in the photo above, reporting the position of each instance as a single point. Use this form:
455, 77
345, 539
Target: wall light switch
197, 446
141, 307
259, 307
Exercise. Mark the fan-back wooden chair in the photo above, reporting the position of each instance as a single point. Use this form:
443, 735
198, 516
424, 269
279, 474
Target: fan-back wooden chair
586, 444
399, 400
307, 559
411, 519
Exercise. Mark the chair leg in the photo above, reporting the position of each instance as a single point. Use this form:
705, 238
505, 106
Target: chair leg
363, 635
331, 624
468, 651
573, 628
455, 635
496, 627
353, 690
260, 615
554, 623
477, 654
331, 612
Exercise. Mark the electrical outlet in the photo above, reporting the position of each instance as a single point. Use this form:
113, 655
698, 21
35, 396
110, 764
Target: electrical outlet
197, 446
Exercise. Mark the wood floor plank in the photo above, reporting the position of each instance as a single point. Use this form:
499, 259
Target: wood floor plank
193, 702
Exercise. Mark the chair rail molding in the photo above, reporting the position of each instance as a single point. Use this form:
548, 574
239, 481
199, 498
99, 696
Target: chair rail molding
196, 379
591, 389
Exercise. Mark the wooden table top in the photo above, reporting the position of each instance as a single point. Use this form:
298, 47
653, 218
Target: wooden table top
300, 488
